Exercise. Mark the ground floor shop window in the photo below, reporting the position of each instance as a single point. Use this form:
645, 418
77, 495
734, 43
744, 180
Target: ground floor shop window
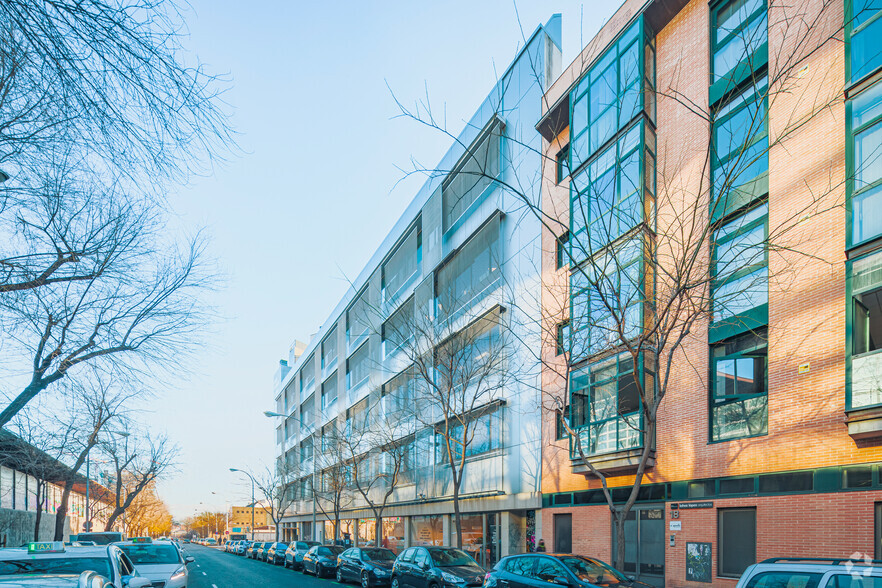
426, 530
393, 533
736, 537
367, 531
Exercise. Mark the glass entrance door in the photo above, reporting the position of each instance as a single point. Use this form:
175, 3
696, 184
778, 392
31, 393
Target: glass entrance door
644, 544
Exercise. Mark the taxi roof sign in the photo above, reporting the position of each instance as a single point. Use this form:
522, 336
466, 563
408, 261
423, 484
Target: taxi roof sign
142, 540
46, 547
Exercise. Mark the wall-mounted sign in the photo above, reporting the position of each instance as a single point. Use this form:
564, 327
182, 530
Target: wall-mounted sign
676, 525
689, 505
804, 368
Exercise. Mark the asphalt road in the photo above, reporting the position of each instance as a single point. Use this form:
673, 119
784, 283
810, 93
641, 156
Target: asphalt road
215, 569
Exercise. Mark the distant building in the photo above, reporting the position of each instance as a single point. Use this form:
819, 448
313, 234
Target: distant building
239, 520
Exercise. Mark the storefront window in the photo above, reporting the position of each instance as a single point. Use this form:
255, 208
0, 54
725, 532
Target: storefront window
393, 533
367, 531
426, 530
472, 534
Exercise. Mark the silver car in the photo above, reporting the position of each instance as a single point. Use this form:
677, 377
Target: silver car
160, 561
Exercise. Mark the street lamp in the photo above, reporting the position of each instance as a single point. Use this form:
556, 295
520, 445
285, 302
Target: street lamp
252, 498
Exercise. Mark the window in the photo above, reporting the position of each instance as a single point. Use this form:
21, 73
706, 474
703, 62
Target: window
786, 580
562, 339
741, 272
562, 259
399, 394
866, 178
607, 200
786, 482
329, 352
398, 330
739, 400
307, 378
865, 277
736, 538
739, 30
519, 566
358, 368
863, 30
483, 434
358, 417
877, 535
471, 272
403, 264
740, 152
548, 569
357, 320
607, 293
562, 164
329, 392
477, 169
307, 411
605, 406
610, 94
560, 431
857, 477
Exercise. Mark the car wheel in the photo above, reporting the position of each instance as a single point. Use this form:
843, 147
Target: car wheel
365, 580
395, 582
339, 575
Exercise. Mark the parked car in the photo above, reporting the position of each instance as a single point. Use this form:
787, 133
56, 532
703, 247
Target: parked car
321, 560
251, 552
38, 560
370, 566
295, 552
160, 561
101, 537
810, 572
260, 554
275, 553
538, 570
242, 547
424, 567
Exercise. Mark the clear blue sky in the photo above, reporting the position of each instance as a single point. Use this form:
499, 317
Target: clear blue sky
303, 209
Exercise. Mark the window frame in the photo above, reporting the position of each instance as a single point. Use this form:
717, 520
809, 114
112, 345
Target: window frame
712, 395
850, 293
562, 337
852, 132
562, 164
749, 64
850, 32
561, 243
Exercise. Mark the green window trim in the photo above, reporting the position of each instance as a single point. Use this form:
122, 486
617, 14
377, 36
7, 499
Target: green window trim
731, 188
871, 191
562, 337
725, 83
560, 431
561, 252
734, 364
869, 27
562, 163
591, 401
871, 280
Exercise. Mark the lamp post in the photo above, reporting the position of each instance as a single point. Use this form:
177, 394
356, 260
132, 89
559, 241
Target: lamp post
252, 498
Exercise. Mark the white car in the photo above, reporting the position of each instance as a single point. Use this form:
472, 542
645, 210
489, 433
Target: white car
811, 572
160, 561
55, 562
84, 580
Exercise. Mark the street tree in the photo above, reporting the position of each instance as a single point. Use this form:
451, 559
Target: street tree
139, 459
148, 515
333, 469
672, 241
278, 490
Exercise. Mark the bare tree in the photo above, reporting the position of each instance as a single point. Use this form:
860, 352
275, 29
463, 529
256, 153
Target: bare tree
148, 515
669, 246
148, 317
139, 460
277, 487
459, 364
334, 471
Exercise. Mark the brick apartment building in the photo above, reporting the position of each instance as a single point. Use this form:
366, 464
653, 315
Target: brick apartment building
769, 437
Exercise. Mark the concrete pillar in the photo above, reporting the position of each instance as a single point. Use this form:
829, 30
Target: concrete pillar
505, 547
446, 524
407, 531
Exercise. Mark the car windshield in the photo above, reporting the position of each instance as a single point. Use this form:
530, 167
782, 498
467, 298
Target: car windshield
445, 558
55, 565
151, 554
330, 550
377, 555
593, 571
281, 546
100, 538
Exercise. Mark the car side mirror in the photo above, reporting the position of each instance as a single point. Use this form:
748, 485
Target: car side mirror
189, 559
136, 582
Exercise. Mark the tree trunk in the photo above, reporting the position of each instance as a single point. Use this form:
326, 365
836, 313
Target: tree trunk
378, 534
619, 519
21, 400
61, 513
456, 514
40, 490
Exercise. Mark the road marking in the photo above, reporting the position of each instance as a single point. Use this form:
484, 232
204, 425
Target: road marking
214, 586
204, 574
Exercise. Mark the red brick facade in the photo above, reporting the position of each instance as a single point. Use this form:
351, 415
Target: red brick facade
806, 415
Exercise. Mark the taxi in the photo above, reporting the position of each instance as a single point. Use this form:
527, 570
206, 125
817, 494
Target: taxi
55, 564
159, 561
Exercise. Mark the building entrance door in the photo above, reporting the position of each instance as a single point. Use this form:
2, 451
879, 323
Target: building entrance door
563, 533
644, 544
